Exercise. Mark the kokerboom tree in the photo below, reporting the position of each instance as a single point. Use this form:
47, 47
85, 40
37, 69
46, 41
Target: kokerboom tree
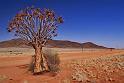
36, 26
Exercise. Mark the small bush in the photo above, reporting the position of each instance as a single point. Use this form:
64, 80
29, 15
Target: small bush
53, 59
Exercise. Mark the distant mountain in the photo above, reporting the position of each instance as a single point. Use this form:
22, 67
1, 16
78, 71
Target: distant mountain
51, 43
13, 43
63, 44
91, 45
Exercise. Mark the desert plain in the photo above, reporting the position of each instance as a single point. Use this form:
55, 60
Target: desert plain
76, 66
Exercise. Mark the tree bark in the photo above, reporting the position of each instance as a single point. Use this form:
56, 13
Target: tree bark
45, 63
40, 63
38, 60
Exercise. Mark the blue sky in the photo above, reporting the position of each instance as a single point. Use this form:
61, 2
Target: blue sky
98, 21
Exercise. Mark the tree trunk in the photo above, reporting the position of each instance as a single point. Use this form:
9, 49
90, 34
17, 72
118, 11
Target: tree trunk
41, 63
38, 60
45, 63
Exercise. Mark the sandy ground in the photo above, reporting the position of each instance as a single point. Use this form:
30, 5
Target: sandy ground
14, 69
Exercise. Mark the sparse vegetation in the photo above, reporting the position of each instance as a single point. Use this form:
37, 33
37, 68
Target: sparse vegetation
16, 51
3, 77
98, 68
101, 66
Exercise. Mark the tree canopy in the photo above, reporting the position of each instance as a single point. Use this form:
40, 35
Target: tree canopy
35, 25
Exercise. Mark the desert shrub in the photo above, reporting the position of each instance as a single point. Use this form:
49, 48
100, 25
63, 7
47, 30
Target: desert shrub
31, 65
52, 58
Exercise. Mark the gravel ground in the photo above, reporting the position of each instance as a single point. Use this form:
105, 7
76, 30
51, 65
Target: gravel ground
109, 69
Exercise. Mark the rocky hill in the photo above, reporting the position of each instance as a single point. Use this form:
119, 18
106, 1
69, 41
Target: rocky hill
51, 43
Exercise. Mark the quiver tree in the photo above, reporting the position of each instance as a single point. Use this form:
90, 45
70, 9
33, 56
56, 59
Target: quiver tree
36, 26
